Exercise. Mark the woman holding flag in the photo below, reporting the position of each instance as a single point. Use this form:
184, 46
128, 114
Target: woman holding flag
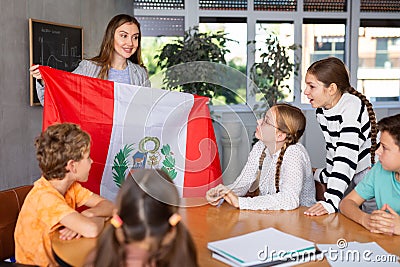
119, 59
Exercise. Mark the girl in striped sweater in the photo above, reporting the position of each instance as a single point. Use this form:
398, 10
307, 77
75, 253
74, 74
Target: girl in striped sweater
348, 123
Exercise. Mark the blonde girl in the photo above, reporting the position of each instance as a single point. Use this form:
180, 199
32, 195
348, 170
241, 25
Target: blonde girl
278, 166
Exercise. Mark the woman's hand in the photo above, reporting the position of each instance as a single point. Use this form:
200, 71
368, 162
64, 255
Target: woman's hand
316, 210
34, 71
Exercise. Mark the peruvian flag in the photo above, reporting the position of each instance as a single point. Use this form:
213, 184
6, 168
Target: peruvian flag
136, 127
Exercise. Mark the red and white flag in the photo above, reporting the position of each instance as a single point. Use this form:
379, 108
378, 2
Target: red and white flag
136, 127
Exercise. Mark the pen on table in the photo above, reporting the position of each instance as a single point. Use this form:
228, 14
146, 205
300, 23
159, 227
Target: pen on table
222, 199
220, 202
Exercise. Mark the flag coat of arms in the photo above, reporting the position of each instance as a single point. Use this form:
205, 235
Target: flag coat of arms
136, 127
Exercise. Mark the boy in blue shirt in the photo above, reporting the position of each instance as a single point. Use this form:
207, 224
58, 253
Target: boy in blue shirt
381, 182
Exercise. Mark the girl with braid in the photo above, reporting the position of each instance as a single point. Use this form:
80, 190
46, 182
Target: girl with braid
146, 229
348, 123
278, 167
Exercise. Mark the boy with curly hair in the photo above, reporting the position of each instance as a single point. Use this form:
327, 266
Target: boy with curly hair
63, 153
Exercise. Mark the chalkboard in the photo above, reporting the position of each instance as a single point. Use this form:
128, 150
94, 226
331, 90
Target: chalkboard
55, 45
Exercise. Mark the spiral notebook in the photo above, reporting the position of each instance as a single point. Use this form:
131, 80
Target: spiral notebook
266, 247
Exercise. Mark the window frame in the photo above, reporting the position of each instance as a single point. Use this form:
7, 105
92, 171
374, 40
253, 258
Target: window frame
352, 18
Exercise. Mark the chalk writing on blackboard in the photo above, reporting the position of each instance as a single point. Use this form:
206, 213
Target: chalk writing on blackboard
56, 45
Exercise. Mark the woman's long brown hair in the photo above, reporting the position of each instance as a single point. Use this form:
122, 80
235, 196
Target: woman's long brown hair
104, 57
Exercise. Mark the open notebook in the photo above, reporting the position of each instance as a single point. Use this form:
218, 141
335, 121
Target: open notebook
266, 247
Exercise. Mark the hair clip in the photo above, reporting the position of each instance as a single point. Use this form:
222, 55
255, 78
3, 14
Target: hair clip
174, 219
116, 221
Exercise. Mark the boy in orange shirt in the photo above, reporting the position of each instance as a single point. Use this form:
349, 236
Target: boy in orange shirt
63, 152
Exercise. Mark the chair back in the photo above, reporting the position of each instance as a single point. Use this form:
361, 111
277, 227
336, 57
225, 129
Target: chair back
11, 201
320, 189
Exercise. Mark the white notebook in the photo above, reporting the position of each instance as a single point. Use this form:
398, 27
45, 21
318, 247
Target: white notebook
263, 248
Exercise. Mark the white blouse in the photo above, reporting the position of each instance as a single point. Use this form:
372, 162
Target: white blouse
296, 184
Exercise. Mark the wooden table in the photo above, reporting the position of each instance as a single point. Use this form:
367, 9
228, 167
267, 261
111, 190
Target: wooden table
72, 252
207, 223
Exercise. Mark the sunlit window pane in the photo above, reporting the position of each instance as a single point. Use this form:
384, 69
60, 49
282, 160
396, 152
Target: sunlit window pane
158, 31
285, 35
151, 46
379, 63
235, 86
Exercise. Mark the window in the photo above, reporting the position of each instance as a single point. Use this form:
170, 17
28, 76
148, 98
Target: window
156, 32
378, 74
236, 30
151, 46
285, 34
323, 28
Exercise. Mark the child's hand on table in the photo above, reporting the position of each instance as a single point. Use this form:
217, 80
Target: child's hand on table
68, 234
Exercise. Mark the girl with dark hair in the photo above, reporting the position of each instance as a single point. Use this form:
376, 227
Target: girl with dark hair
348, 123
119, 58
278, 168
145, 229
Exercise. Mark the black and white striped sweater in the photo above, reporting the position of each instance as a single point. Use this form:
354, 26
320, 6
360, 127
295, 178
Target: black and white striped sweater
347, 131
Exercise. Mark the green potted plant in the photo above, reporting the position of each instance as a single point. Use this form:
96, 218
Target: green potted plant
180, 62
275, 68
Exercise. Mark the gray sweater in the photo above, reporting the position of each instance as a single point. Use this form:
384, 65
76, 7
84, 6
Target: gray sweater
138, 75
